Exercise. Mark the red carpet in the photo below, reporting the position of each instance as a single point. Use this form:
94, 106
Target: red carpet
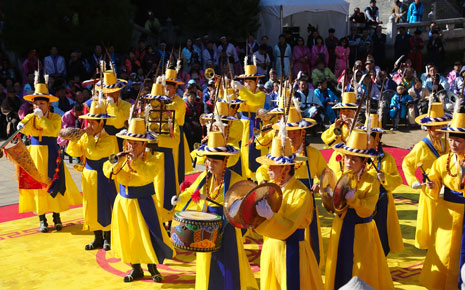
397, 153
10, 213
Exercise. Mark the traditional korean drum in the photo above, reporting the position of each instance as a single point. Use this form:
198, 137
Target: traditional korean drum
196, 231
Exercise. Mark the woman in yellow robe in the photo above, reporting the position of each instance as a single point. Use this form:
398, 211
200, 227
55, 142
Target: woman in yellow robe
287, 260
254, 99
384, 168
354, 245
98, 192
43, 127
138, 235
426, 151
227, 268
446, 250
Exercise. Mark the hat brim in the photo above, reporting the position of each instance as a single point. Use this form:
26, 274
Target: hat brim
452, 130
126, 135
208, 117
306, 123
348, 151
97, 117
250, 76
438, 123
51, 99
119, 85
345, 106
211, 151
264, 160
374, 130
178, 82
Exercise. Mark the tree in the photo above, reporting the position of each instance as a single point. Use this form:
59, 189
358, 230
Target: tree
67, 24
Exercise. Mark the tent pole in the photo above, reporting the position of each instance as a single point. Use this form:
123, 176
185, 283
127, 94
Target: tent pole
281, 17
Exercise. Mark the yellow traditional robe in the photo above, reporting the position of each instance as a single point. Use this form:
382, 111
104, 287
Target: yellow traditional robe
92, 148
426, 206
40, 201
280, 235
245, 279
442, 264
253, 102
368, 260
391, 220
130, 235
332, 139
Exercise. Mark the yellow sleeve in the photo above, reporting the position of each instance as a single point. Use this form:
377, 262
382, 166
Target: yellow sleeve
46, 126
264, 140
392, 176
317, 163
179, 107
294, 213
144, 172
262, 174
251, 99
235, 132
121, 111
436, 177
366, 197
76, 148
409, 164
329, 138
186, 194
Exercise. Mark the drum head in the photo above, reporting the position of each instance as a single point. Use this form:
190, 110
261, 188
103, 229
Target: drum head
328, 182
197, 215
268, 191
339, 196
233, 202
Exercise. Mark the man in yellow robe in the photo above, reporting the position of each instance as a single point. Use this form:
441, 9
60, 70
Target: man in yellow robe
98, 192
286, 261
426, 152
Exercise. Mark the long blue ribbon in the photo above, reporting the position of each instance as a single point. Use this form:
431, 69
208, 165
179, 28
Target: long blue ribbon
181, 165
169, 182
254, 153
381, 210
345, 251
106, 192
293, 259
59, 186
143, 194
457, 197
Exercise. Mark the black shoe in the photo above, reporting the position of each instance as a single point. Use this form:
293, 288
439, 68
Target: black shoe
43, 224
136, 273
107, 240
156, 276
57, 221
97, 243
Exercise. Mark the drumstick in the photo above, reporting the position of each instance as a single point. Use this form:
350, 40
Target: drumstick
420, 164
210, 200
370, 161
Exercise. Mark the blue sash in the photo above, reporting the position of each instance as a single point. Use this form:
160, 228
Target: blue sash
224, 263
293, 259
345, 251
149, 212
457, 197
254, 153
59, 186
181, 165
106, 192
380, 215
430, 146
112, 131
169, 180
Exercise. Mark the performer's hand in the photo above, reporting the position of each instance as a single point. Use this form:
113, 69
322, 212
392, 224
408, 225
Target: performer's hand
430, 184
338, 123
327, 189
110, 100
264, 209
381, 176
237, 85
316, 188
20, 126
38, 112
88, 130
416, 185
350, 194
174, 200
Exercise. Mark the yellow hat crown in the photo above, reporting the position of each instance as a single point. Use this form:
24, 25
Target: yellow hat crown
458, 121
374, 121
437, 110
294, 115
349, 98
278, 150
41, 89
358, 140
109, 78
216, 139
250, 70
96, 108
157, 90
222, 109
216, 145
137, 126
171, 74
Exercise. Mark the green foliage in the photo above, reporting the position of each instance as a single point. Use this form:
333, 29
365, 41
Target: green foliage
68, 24
234, 18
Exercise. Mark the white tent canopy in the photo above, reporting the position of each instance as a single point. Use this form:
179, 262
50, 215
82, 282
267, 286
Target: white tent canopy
299, 13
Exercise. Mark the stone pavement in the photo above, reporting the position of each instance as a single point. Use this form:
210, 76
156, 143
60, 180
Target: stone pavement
9, 186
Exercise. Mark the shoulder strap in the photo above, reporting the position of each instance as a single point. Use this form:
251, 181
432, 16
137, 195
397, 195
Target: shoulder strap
430, 146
